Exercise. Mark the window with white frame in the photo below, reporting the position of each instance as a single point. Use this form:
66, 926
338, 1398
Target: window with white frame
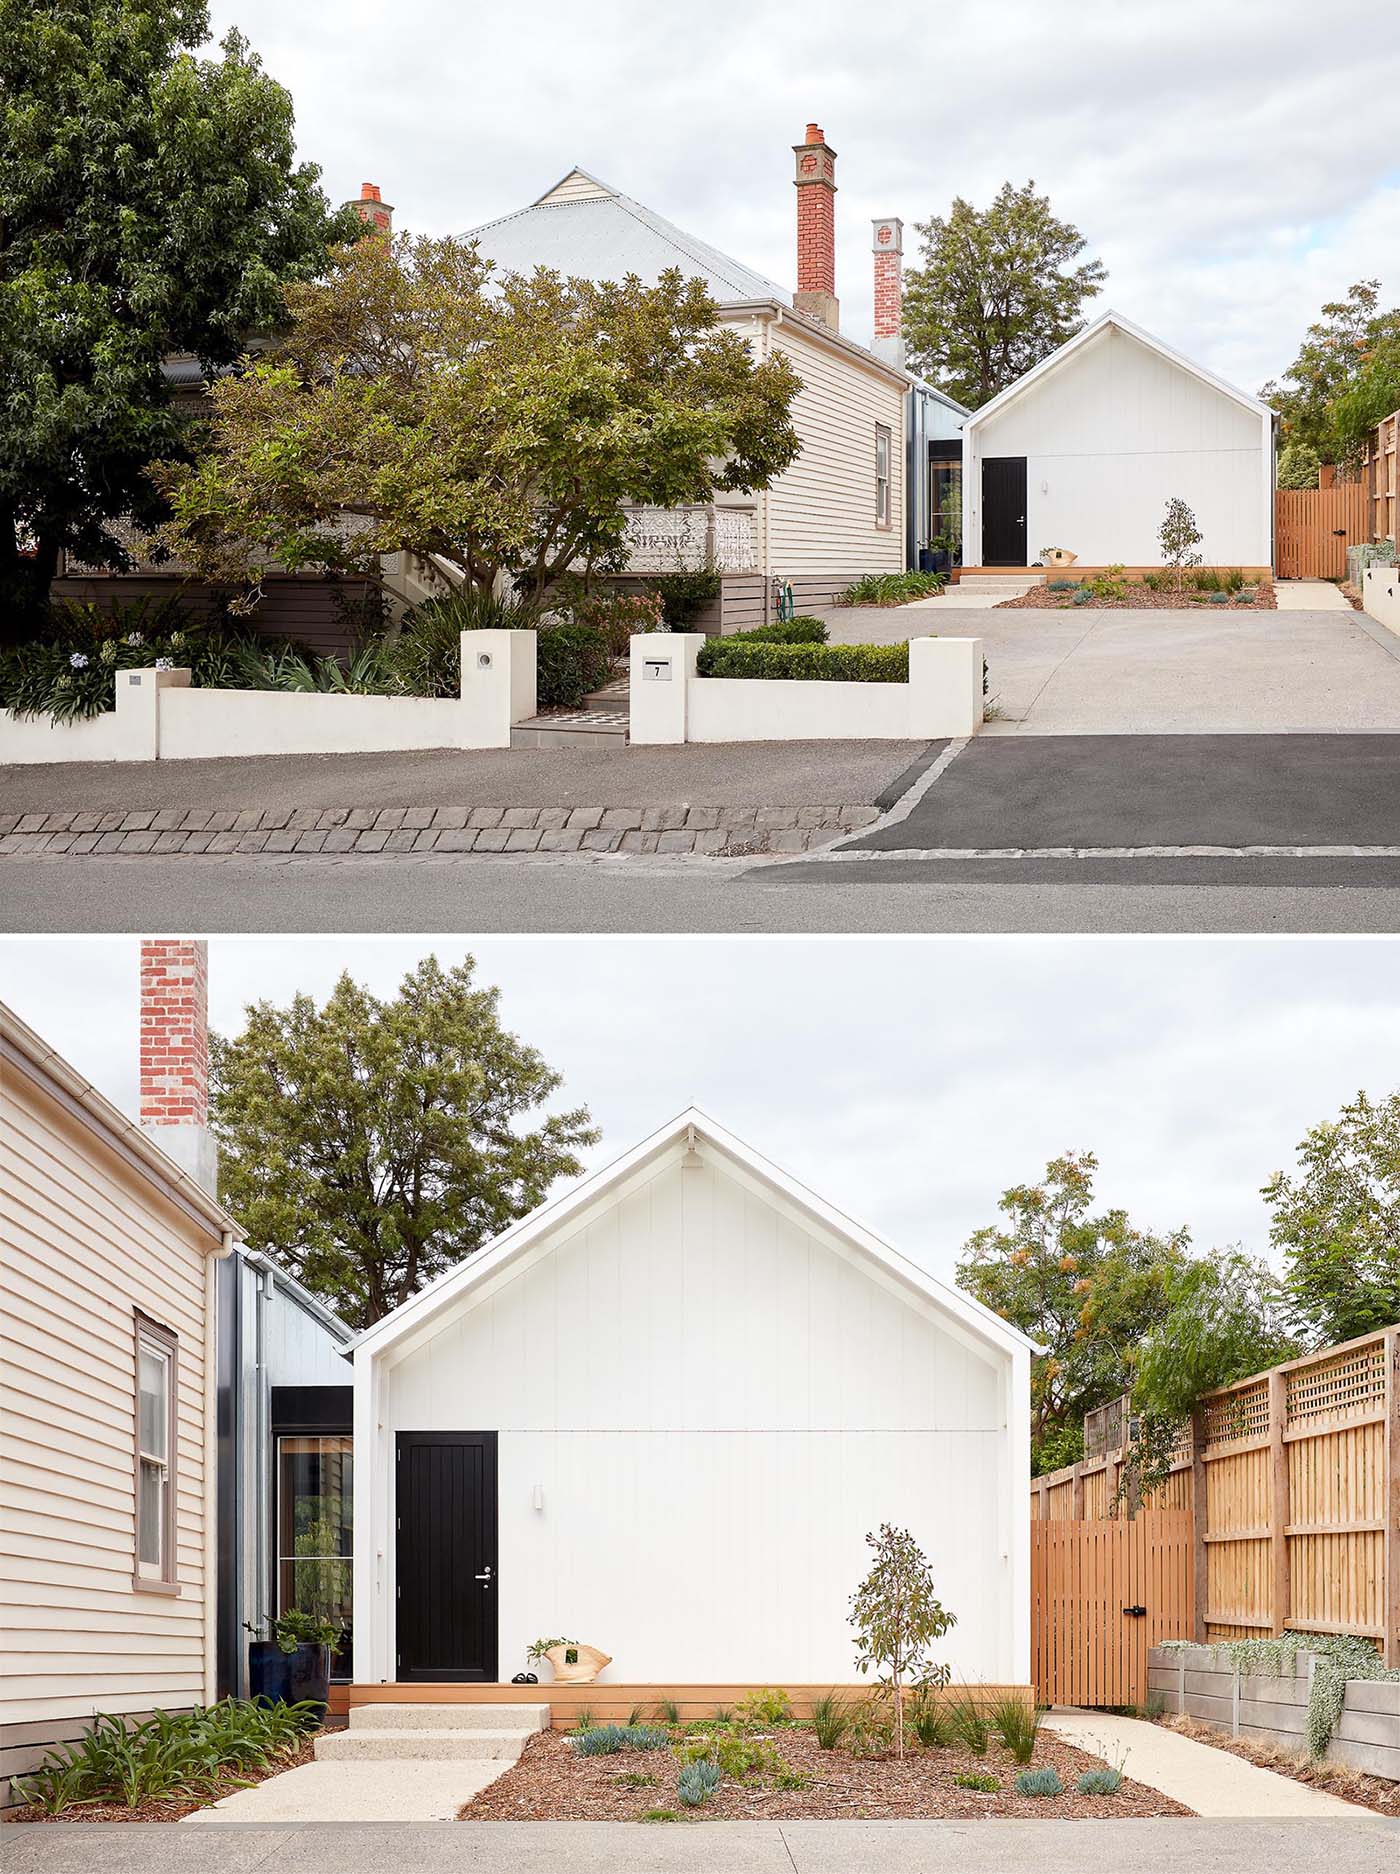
882, 475
156, 1352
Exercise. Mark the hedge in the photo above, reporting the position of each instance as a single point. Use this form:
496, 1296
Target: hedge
570, 661
806, 663
799, 630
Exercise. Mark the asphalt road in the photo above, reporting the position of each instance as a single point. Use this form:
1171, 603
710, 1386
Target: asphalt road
500, 894
1366, 1846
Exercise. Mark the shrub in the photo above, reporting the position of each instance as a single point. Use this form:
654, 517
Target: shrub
739, 1755
659, 1815
619, 616
798, 630
698, 1782
764, 1708
805, 663
830, 1718
929, 1720
1109, 584
668, 1711
1218, 598
1017, 1723
1081, 596
571, 660
1061, 585
604, 1740
892, 588
1155, 582
978, 1780
634, 1779
426, 655
1299, 466
968, 1723
1044, 1782
684, 595
1100, 1782
194, 1753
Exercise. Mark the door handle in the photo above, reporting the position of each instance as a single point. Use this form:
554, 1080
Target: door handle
486, 1576
1138, 1613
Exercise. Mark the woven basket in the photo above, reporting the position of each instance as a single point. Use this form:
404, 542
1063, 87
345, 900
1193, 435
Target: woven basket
586, 1667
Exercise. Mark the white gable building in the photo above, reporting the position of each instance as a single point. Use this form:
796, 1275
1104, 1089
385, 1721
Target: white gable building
660, 1415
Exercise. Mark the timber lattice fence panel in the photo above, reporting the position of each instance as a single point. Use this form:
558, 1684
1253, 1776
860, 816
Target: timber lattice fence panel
1291, 1482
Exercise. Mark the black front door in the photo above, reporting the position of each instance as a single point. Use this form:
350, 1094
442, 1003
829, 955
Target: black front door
1004, 510
446, 1549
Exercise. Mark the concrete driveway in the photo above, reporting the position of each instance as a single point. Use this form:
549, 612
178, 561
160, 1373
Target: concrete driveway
1203, 671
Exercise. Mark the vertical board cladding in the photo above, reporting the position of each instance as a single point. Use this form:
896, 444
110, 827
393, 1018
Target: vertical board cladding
703, 1407
821, 511
1113, 433
88, 1242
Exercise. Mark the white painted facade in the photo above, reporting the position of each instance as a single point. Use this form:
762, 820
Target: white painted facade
707, 1387
1112, 426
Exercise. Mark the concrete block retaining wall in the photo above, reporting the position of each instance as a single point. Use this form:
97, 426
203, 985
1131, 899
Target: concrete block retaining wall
1272, 1708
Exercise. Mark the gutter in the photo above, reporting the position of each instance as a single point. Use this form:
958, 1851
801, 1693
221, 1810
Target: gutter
775, 310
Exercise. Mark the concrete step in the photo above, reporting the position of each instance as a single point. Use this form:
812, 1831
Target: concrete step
455, 1717
584, 728
423, 1746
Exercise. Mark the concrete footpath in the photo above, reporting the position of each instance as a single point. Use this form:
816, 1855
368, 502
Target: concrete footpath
1213, 1782
1296, 1846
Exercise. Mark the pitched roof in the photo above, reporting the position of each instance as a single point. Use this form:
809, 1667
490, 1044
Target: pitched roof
693, 1127
584, 229
1113, 321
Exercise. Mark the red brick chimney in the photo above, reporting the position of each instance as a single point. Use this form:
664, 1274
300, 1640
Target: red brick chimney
175, 1053
377, 215
887, 240
815, 182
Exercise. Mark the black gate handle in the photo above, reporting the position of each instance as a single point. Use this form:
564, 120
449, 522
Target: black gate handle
1136, 1612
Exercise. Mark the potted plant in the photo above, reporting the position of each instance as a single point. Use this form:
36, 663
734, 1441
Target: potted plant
294, 1662
573, 1663
1057, 556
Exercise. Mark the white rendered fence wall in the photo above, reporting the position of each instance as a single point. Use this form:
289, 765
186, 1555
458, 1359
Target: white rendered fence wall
670, 703
158, 716
1381, 595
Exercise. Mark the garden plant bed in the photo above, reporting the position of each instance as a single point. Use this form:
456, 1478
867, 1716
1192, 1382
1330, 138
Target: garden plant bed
171, 1808
1141, 598
552, 1783
1371, 1792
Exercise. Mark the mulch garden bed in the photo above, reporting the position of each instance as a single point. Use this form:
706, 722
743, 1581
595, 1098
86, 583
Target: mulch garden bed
171, 1809
1371, 1792
552, 1783
1142, 598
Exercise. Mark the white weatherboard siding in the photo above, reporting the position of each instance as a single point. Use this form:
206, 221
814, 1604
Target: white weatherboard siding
86, 1240
1110, 433
718, 1399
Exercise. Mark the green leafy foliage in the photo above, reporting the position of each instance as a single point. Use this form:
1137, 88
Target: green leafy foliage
1100, 1783
198, 1753
1179, 536
496, 424
297, 1627
897, 1616
969, 1723
684, 595
1336, 1221
1017, 1723
1109, 584
998, 291
830, 1718
659, 1815
618, 615
1340, 1659
764, 1708
1044, 1782
537, 1649
798, 630
426, 654
606, 1739
374, 1143
1087, 1286
698, 1782
893, 588
570, 661
804, 662
1299, 465
980, 1780
928, 1720
1345, 378
153, 205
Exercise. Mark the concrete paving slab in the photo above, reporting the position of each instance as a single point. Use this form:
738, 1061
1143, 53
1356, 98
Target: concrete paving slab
337, 1790
1213, 1782
1304, 595
1294, 1845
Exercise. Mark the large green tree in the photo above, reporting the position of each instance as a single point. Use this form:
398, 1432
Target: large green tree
1087, 1286
999, 289
370, 1144
492, 424
150, 203
1341, 382
1337, 1222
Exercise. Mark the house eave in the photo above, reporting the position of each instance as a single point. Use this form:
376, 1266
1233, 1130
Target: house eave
818, 334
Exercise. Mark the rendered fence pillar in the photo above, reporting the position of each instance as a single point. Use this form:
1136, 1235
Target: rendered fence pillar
663, 666
498, 685
138, 709
945, 680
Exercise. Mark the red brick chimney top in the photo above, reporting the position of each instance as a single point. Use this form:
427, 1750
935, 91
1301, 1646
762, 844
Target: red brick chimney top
815, 179
815, 134
174, 1032
369, 192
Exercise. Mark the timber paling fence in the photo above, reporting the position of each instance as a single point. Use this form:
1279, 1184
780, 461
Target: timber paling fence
1292, 1482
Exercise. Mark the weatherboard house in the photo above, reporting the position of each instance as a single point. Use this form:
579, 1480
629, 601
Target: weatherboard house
659, 1416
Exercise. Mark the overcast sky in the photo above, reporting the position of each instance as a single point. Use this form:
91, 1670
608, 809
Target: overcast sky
1234, 166
910, 1081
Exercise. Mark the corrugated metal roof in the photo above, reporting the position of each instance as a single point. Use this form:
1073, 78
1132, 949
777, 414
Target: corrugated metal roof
605, 236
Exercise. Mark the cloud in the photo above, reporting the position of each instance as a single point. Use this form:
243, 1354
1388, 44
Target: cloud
1232, 166
909, 1081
